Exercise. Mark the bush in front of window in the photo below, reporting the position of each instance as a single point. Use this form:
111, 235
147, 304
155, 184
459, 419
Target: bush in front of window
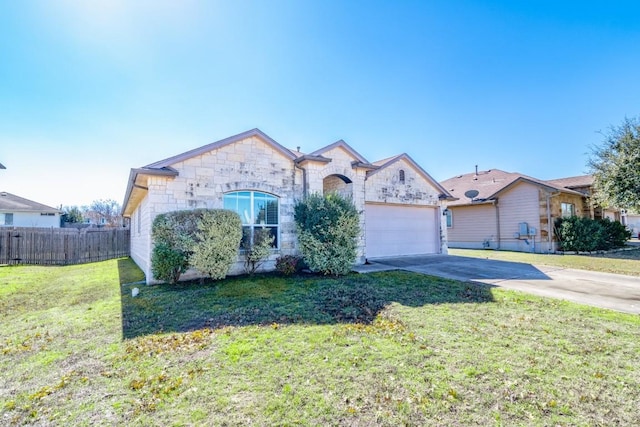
288, 265
328, 227
206, 239
257, 252
587, 235
216, 242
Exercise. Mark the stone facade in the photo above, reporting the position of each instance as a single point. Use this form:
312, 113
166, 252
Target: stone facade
253, 162
384, 185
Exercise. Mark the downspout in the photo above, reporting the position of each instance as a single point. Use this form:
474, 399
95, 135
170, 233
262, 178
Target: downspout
549, 224
495, 203
304, 179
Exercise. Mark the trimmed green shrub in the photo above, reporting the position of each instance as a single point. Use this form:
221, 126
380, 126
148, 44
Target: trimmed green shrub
256, 253
288, 264
615, 235
173, 233
328, 227
216, 242
167, 263
587, 235
578, 234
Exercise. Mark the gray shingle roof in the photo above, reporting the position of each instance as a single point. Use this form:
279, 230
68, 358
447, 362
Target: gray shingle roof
573, 181
11, 202
489, 183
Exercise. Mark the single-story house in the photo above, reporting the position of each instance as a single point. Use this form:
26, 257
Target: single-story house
250, 173
511, 211
17, 211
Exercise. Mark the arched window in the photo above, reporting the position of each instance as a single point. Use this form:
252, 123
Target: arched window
401, 176
257, 210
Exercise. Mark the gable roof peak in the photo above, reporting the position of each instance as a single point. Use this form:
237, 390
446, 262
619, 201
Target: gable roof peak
385, 163
341, 144
221, 143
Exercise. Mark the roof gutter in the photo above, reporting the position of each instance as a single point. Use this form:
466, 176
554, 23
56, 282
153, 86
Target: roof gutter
133, 176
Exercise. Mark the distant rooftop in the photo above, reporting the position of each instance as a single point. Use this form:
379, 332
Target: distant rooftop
11, 202
573, 181
488, 183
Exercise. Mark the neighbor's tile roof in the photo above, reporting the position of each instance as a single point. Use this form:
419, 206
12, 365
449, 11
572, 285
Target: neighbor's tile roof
11, 202
489, 183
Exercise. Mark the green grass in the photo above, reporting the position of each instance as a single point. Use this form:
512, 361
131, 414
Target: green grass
392, 348
623, 262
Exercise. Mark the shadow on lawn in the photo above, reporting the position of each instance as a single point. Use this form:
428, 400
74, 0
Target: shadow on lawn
268, 298
627, 253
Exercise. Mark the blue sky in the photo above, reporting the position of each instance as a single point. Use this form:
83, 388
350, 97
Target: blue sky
89, 90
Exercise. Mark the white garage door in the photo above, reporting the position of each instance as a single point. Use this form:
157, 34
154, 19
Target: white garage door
393, 230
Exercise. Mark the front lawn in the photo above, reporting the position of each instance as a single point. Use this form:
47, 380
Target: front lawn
391, 348
623, 262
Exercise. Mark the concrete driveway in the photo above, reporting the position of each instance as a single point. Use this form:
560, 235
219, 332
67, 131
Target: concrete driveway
613, 291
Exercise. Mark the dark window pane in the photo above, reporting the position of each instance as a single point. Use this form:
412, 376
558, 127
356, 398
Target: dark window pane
246, 237
274, 233
272, 212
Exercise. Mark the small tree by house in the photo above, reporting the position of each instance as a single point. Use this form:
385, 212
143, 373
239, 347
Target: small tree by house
72, 215
257, 251
328, 227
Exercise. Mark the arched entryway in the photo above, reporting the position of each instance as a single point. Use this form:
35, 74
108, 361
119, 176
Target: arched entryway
339, 184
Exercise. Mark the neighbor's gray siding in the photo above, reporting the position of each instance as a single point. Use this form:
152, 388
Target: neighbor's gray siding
520, 204
473, 226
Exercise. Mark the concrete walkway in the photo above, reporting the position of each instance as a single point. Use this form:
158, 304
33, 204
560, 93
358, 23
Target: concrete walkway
613, 291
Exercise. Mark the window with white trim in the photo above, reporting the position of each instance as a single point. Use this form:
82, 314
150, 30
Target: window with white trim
257, 210
568, 210
401, 176
8, 219
449, 216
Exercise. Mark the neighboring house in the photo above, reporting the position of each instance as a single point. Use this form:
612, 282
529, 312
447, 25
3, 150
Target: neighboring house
250, 173
16, 211
99, 219
584, 184
511, 211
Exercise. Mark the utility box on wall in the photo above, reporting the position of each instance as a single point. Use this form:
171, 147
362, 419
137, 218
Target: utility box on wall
523, 231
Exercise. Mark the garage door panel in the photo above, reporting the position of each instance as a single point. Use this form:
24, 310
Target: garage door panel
393, 230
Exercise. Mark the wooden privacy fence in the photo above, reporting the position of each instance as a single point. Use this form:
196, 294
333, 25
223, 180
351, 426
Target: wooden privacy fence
62, 246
